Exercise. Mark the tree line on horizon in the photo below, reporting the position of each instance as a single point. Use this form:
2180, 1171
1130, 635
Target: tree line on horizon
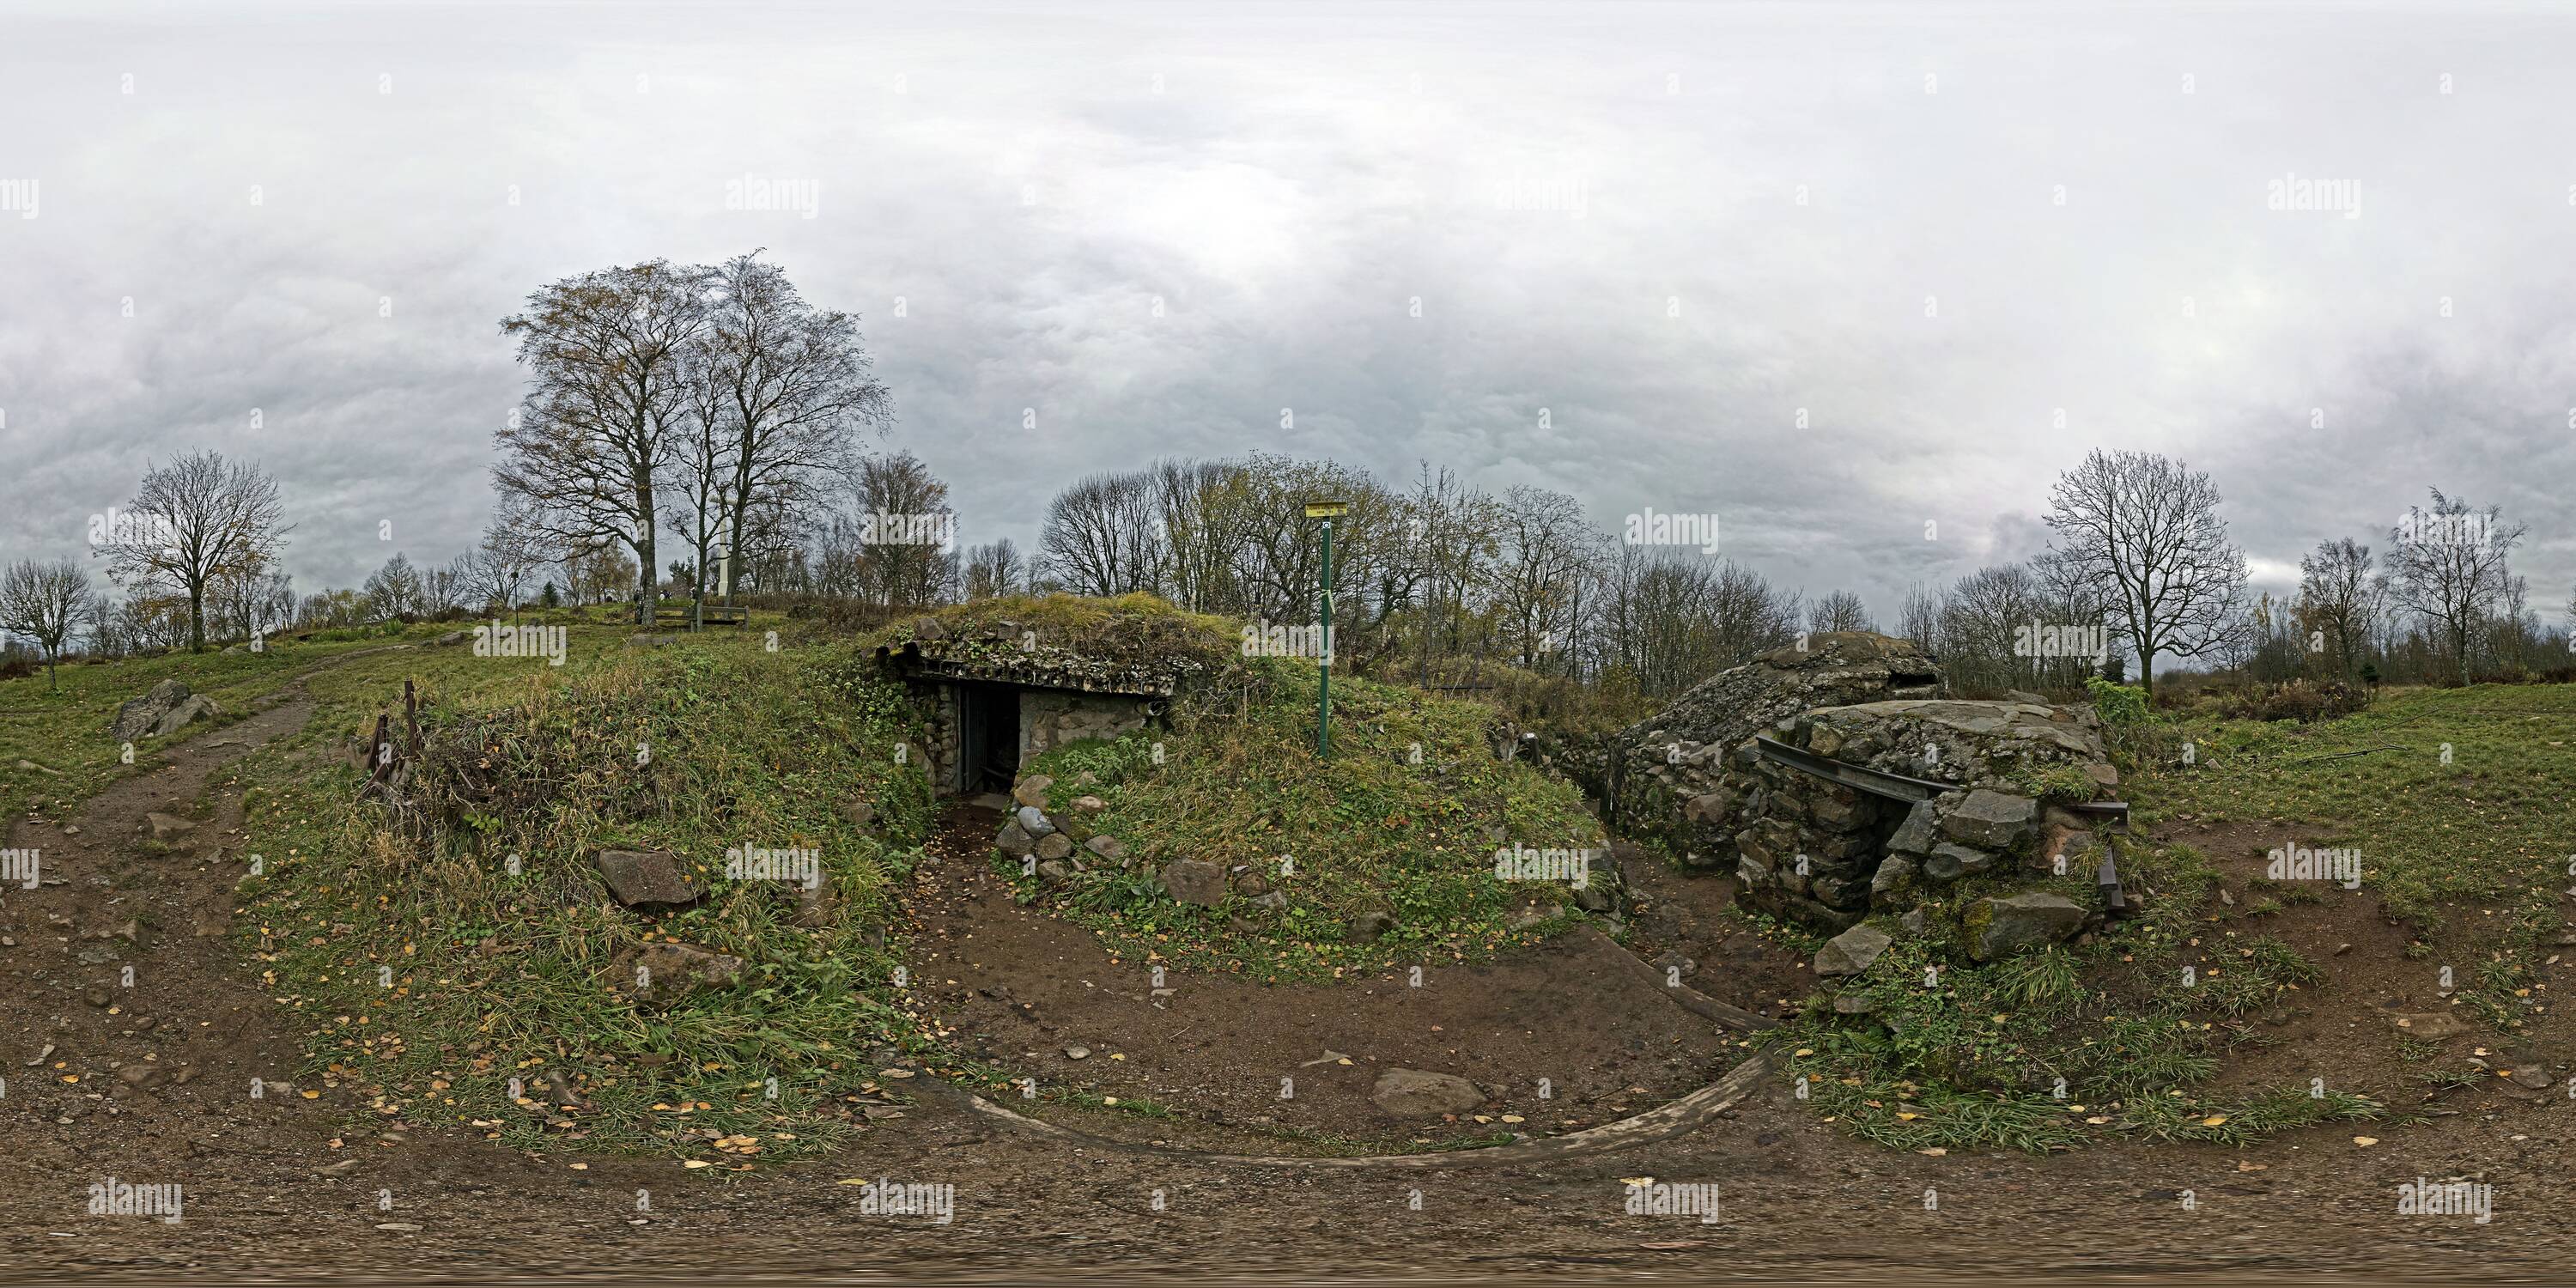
714, 404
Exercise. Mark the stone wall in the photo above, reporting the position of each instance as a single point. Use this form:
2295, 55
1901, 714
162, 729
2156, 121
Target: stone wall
1660, 779
1050, 718
1829, 855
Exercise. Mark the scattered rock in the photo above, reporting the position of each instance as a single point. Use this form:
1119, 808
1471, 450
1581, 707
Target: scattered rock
1369, 927
167, 827
666, 970
1107, 847
1251, 885
1015, 841
1053, 870
2001, 927
1413, 1093
1077, 1053
648, 877
1852, 951
1193, 881
1032, 791
1990, 819
2430, 1026
141, 1074
1089, 804
1915, 834
860, 813
1949, 862
1033, 821
1054, 845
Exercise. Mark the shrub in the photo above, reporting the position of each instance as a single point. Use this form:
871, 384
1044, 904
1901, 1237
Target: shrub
2118, 704
2297, 700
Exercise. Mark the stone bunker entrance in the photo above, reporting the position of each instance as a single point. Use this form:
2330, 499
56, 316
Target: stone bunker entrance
989, 712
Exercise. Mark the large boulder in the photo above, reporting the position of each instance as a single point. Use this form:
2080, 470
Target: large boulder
1998, 928
1415, 1093
136, 720
648, 878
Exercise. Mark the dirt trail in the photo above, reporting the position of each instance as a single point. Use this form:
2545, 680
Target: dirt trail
268, 1197
1562, 1037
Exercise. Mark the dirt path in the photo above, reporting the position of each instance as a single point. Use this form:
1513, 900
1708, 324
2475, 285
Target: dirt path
268, 1197
1561, 1038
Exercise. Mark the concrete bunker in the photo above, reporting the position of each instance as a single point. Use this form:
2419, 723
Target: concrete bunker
992, 705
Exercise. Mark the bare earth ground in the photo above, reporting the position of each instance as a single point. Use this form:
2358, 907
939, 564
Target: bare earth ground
269, 1199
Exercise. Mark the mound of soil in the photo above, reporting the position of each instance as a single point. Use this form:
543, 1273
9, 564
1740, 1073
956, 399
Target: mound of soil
1565, 1036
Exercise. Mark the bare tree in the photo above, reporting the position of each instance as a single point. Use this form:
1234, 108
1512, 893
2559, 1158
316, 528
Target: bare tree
908, 535
795, 384
603, 351
394, 590
2446, 566
1547, 553
1841, 610
196, 520
1920, 619
45, 602
1103, 535
995, 568
2341, 598
1196, 501
2143, 532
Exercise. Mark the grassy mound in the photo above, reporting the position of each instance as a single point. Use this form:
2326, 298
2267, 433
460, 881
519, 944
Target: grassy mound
476, 942
1403, 820
1130, 630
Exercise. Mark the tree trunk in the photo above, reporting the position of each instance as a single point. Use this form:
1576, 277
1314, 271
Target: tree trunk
2147, 673
197, 619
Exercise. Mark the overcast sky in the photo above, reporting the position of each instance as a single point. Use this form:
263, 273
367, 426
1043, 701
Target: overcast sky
1642, 241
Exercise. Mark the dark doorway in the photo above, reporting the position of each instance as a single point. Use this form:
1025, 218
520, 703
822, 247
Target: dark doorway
988, 737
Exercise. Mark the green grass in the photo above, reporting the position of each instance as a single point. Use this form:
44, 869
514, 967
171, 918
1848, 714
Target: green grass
65, 729
497, 975
2472, 852
1403, 818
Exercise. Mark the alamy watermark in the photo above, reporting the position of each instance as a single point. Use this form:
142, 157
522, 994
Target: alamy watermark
502, 640
18, 195
1568, 195
132, 529
20, 868
2053, 639
2472, 529
1648, 528
1663, 1198
802, 867
2299, 863
2290, 192
1271, 639
113, 1197
898, 1198
2472, 1199
753, 192
881, 528
1517, 862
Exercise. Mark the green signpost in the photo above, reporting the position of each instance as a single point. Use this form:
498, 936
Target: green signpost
1327, 511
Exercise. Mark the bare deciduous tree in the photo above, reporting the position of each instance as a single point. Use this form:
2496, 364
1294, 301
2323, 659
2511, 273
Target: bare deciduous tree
995, 568
908, 535
196, 520
1103, 535
2340, 598
584, 450
45, 602
1841, 610
2142, 531
2447, 566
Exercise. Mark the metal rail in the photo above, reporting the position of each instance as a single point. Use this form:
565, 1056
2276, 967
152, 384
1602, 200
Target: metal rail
1879, 782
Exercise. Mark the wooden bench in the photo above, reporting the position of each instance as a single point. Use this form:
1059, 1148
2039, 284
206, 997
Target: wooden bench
709, 614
